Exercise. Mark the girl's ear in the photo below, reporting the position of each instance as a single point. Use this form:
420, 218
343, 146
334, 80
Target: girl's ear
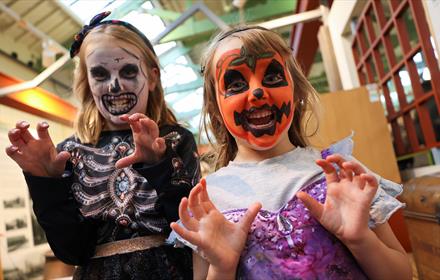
152, 80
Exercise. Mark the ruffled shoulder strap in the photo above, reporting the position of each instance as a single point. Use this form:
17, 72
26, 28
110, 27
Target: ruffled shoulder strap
343, 147
384, 203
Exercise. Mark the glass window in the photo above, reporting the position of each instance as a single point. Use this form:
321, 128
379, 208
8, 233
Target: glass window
405, 81
393, 95
415, 118
374, 24
364, 38
372, 68
363, 75
396, 45
385, 4
422, 71
383, 58
410, 27
404, 134
434, 115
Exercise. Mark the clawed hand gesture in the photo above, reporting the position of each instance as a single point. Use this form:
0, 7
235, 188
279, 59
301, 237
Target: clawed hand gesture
149, 147
38, 156
218, 240
350, 191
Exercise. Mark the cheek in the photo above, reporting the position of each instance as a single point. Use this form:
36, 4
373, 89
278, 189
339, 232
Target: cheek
133, 85
98, 88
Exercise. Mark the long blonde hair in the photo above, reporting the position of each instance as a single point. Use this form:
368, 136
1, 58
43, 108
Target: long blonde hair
89, 122
255, 40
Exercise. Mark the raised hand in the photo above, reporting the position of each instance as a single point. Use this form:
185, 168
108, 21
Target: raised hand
149, 147
39, 156
350, 192
219, 241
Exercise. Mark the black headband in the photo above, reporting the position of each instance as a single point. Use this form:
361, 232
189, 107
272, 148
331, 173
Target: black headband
239, 29
97, 21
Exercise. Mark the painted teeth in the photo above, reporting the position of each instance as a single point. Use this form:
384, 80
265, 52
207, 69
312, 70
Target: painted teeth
259, 114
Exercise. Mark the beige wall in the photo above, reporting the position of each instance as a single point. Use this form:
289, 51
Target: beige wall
338, 21
432, 10
12, 185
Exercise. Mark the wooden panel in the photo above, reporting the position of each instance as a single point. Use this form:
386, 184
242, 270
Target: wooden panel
425, 237
350, 111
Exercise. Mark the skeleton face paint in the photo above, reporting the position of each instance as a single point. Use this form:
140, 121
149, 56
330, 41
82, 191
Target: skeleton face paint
118, 80
255, 96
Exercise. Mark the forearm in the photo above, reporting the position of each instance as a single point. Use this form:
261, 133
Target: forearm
71, 237
380, 261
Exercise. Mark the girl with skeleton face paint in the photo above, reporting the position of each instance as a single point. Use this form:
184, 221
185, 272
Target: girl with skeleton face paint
105, 196
118, 80
323, 212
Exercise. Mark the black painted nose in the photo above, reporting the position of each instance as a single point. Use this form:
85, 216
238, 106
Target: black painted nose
115, 88
258, 93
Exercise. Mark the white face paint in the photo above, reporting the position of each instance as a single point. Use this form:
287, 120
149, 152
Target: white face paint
117, 78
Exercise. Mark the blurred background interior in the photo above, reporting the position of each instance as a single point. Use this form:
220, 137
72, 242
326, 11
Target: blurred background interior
373, 60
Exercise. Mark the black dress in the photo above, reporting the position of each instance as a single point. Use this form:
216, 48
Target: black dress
93, 203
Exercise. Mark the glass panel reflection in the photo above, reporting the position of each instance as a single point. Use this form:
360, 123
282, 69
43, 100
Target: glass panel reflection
406, 84
393, 95
422, 71
384, 59
386, 9
374, 23
372, 68
410, 27
404, 134
431, 106
396, 45
415, 118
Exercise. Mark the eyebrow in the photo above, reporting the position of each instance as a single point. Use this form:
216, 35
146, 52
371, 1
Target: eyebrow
130, 53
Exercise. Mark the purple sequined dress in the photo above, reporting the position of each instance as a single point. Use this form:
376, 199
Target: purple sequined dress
291, 244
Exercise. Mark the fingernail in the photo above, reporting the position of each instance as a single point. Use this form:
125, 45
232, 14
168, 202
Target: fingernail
24, 123
14, 148
44, 124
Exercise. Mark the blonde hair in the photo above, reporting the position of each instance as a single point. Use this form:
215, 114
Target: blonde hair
255, 40
89, 122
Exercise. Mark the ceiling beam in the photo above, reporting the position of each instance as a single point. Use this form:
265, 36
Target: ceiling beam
171, 55
163, 14
257, 13
124, 9
185, 87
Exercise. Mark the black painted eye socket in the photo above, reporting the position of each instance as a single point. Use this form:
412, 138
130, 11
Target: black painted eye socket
99, 73
274, 75
234, 83
129, 71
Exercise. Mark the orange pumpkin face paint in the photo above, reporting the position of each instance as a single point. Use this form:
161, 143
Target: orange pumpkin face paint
255, 96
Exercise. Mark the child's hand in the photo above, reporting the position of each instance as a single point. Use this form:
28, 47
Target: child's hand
38, 157
219, 241
149, 147
350, 191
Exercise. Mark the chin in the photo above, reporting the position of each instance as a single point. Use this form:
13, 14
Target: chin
263, 143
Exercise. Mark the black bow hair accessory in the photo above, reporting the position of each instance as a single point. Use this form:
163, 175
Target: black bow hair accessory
97, 21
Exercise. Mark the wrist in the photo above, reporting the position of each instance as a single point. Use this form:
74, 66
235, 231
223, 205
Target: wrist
216, 273
362, 243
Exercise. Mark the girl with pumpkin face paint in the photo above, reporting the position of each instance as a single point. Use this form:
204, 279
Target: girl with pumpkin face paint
106, 196
320, 215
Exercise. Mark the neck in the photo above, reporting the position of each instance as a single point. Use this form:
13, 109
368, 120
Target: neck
248, 154
113, 127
